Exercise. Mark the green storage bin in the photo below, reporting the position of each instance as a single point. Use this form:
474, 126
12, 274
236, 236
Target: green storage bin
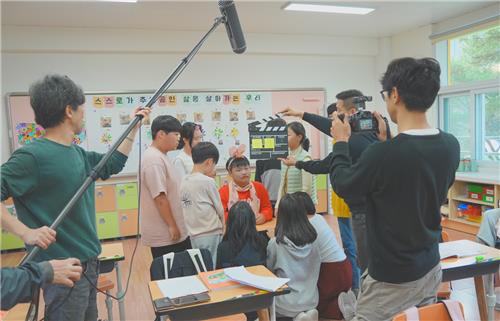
488, 199
321, 182
475, 188
107, 225
11, 242
126, 196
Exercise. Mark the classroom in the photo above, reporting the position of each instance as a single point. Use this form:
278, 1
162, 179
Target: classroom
250, 160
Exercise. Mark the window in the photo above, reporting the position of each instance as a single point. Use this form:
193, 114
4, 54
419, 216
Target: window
490, 103
474, 56
457, 121
469, 100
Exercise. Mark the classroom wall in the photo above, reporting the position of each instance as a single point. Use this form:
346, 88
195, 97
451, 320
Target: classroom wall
119, 59
416, 43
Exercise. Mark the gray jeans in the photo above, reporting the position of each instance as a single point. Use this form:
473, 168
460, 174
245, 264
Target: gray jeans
76, 304
381, 301
209, 242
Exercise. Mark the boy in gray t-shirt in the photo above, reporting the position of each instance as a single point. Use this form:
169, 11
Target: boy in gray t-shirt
201, 204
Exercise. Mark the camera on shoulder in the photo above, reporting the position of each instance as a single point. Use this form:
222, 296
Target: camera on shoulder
363, 120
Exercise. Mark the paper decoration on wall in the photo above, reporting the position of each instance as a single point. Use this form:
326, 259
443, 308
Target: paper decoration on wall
236, 99
106, 138
109, 101
198, 117
172, 100
268, 138
106, 121
233, 116
120, 101
181, 118
218, 132
216, 116
162, 101
98, 101
79, 138
250, 115
235, 133
28, 132
149, 134
124, 119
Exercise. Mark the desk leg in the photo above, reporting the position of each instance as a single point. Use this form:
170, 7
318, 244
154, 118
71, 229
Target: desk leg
490, 295
119, 293
272, 311
481, 299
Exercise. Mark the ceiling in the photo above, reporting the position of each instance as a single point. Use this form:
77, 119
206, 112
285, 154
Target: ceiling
389, 18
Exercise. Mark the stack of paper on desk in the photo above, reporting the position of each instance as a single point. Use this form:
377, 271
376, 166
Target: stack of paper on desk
240, 274
182, 286
461, 248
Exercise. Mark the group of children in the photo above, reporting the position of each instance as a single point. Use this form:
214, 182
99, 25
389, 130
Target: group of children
182, 208
224, 221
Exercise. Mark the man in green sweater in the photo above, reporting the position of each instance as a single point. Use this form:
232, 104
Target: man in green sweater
405, 181
42, 177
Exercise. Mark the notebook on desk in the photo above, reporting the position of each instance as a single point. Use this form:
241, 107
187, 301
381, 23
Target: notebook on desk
180, 291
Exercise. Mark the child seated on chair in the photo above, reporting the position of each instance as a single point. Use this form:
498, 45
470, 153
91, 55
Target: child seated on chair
240, 188
335, 275
242, 244
294, 254
201, 205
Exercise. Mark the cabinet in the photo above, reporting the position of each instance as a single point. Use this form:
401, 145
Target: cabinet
470, 193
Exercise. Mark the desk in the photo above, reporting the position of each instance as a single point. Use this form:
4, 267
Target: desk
111, 254
219, 305
463, 268
267, 226
18, 312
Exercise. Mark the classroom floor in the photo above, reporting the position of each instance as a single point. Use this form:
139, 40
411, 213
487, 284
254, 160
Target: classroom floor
138, 304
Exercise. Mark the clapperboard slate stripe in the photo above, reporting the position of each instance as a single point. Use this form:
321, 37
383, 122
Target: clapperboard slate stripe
268, 138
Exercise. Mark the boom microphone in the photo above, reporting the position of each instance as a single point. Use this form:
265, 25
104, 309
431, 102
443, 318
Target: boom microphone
233, 26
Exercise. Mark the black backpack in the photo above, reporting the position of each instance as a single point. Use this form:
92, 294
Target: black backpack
185, 263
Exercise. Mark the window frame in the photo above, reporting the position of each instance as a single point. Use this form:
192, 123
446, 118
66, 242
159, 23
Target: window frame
473, 90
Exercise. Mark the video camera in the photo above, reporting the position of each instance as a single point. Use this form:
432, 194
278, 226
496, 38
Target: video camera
363, 120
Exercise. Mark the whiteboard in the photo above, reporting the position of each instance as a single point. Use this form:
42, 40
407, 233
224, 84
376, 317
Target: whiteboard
223, 114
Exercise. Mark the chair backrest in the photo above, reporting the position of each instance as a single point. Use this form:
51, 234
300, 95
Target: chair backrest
185, 263
268, 172
433, 312
445, 237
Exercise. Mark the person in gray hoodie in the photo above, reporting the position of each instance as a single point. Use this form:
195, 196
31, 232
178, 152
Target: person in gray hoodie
293, 254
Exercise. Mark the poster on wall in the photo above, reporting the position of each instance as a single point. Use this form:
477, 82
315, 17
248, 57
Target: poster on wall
223, 115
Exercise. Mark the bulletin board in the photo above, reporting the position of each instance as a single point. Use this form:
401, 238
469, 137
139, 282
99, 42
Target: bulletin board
223, 114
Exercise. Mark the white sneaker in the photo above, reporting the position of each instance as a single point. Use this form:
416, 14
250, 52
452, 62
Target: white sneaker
301, 317
347, 305
310, 315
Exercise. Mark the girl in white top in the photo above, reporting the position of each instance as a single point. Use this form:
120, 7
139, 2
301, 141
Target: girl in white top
335, 274
191, 134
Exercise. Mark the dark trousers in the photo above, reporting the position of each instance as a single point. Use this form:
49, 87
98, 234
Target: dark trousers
78, 303
177, 247
359, 229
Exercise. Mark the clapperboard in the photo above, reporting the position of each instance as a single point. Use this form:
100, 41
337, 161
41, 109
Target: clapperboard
268, 138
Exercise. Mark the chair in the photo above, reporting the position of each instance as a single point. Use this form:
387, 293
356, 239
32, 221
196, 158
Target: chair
106, 285
268, 172
433, 312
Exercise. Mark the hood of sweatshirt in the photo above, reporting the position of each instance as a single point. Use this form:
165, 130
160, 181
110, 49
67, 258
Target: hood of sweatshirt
298, 252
